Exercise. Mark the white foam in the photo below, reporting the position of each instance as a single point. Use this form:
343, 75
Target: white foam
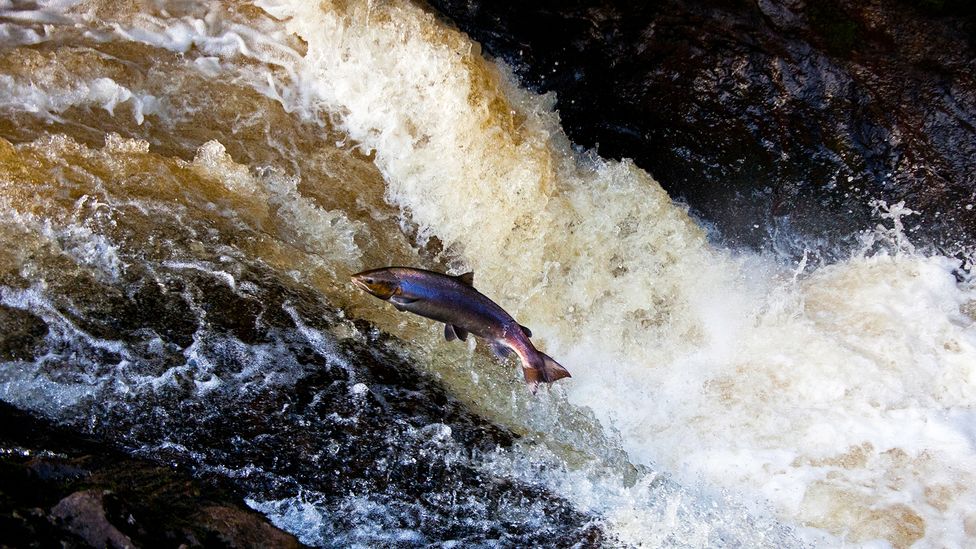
301, 223
77, 240
49, 14
12, 35
649, 511
300, 515
47, 100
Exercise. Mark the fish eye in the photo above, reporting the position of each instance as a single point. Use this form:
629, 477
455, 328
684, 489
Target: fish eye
370, 280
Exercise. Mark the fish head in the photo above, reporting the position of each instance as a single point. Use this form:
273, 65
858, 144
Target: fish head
381, 283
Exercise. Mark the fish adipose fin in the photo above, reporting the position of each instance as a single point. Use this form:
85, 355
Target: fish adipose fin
452, 332
528, 332
467, 278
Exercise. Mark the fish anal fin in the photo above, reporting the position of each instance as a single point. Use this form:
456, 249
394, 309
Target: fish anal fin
467, 278
532, 379
527, 331
546, 372
500, 350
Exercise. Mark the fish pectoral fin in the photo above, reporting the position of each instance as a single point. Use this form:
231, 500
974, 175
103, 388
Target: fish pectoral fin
500, 350
467, 278
401, 302
528, 332
452, 332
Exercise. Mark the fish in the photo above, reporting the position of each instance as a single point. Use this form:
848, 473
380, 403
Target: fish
464, 310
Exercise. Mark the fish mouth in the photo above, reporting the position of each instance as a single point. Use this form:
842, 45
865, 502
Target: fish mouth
357, 281
379, 286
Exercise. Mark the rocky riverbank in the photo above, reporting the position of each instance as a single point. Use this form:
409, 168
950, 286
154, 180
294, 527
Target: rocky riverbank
60, 489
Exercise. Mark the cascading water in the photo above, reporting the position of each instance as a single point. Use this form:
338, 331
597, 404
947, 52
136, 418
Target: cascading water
187, 189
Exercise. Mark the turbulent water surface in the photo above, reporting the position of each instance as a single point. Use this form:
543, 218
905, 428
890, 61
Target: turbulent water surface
186, 188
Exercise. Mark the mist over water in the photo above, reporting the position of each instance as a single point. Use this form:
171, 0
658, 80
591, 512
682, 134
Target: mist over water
186, 190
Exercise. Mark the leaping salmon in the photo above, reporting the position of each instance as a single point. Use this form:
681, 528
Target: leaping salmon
463, 310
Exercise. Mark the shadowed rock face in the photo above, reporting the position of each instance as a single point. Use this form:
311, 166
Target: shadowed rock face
768, 117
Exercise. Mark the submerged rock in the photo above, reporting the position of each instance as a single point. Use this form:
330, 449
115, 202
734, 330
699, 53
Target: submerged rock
24, 334
235, 527
774, 119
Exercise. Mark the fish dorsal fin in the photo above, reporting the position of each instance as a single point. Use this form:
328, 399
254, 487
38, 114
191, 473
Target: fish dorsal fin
467, 278
527, 331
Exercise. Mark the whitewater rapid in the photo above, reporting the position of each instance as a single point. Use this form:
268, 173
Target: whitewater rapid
716, 394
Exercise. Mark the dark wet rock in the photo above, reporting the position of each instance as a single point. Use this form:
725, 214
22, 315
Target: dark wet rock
23, 334
768, 117
231, 312
163, 309
46, 469
58, 489
83, 514
234, 527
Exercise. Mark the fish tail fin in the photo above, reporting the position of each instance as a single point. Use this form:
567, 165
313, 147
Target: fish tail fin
552, 370
547, 371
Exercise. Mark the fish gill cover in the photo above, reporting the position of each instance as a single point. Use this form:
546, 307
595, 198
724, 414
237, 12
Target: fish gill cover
187, 188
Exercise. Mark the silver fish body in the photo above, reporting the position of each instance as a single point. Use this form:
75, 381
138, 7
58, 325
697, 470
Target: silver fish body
463, 310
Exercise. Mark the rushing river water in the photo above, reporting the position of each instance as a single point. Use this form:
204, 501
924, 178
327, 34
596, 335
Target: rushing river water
186, 188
